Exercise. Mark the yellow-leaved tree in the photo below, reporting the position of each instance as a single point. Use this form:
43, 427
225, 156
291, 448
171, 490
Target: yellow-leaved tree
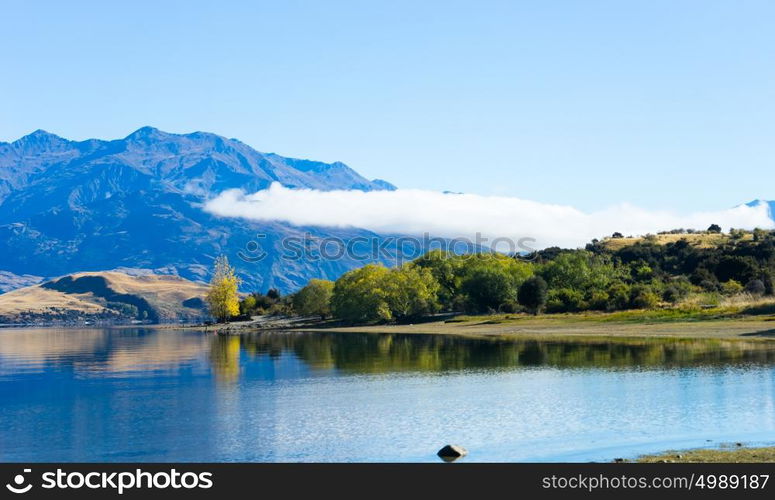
222, 298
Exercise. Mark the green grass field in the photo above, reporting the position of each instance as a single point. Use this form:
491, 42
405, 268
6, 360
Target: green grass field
729, 454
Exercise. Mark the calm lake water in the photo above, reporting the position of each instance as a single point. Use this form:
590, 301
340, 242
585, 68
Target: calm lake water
146, 395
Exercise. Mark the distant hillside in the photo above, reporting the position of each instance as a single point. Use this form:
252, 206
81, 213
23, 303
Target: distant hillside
105, 297
699, 240
136, 203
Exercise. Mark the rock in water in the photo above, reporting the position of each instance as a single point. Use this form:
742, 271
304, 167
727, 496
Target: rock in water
452, 452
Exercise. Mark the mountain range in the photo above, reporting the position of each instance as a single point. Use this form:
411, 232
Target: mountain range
135, 204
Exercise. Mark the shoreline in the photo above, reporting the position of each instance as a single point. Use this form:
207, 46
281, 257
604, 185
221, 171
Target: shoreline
556, 326
750, 329
730, 453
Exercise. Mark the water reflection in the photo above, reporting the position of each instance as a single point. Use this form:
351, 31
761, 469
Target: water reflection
97, 350
165, 395
382, 353
225, 357
138, 350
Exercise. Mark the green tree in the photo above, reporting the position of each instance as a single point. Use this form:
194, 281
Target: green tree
314, 299
222, 298
532, 294
456, 274
578, 270
447, 270
374, 293
490, 281
488, 288
411, 292
247, 305
359, 296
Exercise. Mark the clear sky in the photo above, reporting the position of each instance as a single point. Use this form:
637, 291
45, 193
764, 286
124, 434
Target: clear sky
665, 104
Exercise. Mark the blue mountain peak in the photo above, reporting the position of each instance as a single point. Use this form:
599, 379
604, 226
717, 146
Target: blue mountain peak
39, 136
146, 132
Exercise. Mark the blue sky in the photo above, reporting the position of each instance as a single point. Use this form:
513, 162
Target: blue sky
664, 104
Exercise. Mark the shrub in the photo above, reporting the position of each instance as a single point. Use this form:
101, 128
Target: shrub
710, 285
671, 294
642, 297
258, 303
508, 307
702, 274
769, 286
565, 300
248, 305
599, 300
742, 269
124, 309
533, 294
681, 285
642, 272
755, 287
732, 287
618, 296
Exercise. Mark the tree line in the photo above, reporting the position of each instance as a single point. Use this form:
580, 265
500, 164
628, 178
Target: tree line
642, 275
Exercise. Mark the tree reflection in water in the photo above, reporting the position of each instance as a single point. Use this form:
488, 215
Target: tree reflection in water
384, 353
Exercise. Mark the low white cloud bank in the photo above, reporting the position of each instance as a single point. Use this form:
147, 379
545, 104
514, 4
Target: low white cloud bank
450, 215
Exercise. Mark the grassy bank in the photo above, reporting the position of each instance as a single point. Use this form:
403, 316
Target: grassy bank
717, 455
720, 322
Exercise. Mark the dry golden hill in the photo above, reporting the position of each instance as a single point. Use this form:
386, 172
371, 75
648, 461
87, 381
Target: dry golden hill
701, 240
105, 296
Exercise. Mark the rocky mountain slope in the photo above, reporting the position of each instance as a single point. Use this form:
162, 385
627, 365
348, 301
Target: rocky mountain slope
136, 203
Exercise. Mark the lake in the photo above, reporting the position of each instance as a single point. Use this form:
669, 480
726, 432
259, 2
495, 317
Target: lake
166, 395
